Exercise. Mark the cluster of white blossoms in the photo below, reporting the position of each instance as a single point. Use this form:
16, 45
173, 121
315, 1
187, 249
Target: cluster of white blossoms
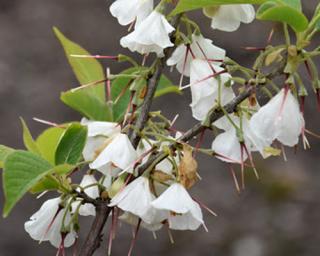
166, 201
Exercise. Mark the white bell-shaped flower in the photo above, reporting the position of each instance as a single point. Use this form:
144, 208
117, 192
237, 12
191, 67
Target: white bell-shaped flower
183, 213
91, 191
151, 35
98, 132
279, 119
201, 48
228, 148
134, 220
46, 224
128, 11
227, 144
207, 89
229, 17
119, 153
136, 198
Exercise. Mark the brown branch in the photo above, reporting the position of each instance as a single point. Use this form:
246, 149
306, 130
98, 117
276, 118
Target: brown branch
213, 116
94, 237
153, 83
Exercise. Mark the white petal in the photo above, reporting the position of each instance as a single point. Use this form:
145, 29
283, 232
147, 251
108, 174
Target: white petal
228, 146
93, 144
54, 232
40, 221
136, 198
229, 17
175, 199
279, 119
201, 48
185, 222
45, 224
183, 212
152, 35
127, 11
119, 152
96, 128
92, 191
133, 220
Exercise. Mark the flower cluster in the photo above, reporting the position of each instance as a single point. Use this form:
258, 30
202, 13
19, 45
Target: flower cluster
158, 196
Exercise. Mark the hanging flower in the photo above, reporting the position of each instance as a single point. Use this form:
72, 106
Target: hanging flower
91, 191
98, 132
46, 224
134, 220
279, 119
128, 11
119, 153
136, 198
151, 35
201, 48
207, 88
229, 17
228, 146
183, 213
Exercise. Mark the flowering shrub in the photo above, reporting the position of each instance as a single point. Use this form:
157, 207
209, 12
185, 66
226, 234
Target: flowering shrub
135, 166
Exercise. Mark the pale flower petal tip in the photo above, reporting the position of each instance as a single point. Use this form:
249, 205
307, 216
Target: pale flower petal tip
152, 35
280, 119
207, 89
129, 11
229, 17
118, 153
183, 213
45, 224
200, 48
91, 191
136, 198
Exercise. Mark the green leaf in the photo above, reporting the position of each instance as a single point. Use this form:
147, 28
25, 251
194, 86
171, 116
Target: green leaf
118, 86
71, 145
165, 87
4, 152
50, 182
48, 141
282, 12
188, 5
89, 101
22, 170
87, 70
293, 3
29, 143
87, 104
46, 184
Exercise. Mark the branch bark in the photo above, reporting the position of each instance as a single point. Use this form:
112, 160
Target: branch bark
94, 237
214, 115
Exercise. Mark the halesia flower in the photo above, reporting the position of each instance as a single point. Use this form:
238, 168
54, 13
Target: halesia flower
136, 198
98, 132
183, 213
279, 119
229, 17
119, 153
91, 191
208, 88
134, 220
129, 11
46, 224
201, 48
228, 146
151, 35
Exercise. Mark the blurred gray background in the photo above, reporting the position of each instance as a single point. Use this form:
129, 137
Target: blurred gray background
278, 216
